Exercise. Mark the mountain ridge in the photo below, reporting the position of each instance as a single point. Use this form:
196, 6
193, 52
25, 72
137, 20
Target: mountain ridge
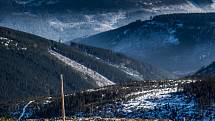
159, 40
29, 69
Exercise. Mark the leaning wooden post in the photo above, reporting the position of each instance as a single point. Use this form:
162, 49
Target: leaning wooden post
62, 99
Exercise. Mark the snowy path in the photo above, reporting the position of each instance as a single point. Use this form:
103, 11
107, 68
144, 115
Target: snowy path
101, 81
24, 109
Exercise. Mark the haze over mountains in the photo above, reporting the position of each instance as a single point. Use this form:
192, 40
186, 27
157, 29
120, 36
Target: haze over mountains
69, 19
142, 59
181, 43
207, 70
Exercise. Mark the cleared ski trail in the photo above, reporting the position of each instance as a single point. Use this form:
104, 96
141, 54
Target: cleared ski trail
101, 81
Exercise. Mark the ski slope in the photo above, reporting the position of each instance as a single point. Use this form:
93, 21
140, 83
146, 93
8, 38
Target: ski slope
101, 81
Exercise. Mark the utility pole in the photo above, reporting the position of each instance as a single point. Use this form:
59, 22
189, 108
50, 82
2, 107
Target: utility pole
62, 99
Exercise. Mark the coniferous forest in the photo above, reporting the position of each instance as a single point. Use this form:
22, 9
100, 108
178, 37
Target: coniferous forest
107, 60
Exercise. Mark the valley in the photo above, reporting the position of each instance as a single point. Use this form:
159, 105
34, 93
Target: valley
180, 43
107, 60
31, 66
99, 83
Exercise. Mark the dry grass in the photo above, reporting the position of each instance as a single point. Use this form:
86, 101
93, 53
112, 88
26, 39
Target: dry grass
7, 119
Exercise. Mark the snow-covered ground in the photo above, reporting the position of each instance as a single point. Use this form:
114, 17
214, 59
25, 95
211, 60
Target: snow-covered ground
149, 100
157, 100
100, 80
24, 110
134, 73
11, 44
165, 102
145, 100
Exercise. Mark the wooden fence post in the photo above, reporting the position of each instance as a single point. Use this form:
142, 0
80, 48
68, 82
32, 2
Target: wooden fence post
62, 99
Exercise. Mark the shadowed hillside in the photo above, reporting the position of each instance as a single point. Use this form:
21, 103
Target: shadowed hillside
181, 43
28, 68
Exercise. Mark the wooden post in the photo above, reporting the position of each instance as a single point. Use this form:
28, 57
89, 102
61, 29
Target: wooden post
62, 99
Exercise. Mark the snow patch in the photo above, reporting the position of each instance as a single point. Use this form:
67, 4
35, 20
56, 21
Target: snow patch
172, 38
134, 73
152, 98
101, 81
11, 44
143, 102
24, 109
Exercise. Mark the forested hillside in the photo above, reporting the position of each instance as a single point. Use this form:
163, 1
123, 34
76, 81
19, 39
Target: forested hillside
204, 89
181, 43
29, 69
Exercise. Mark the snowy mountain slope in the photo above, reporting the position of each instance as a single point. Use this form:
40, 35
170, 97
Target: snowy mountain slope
181, 43
30, 69
101, 81
135, 100
132, 67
